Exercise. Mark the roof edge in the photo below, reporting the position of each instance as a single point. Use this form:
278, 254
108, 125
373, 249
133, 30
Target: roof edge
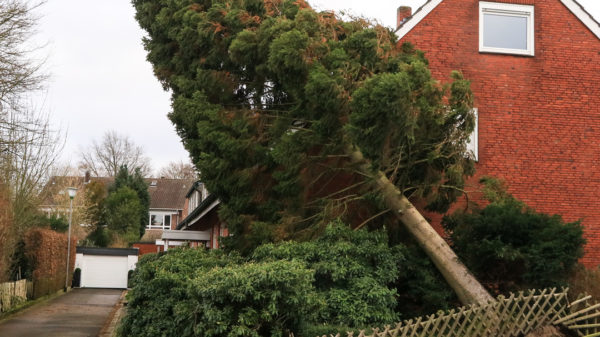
107, 251
197, 212
575, 7
419, 15
586, 18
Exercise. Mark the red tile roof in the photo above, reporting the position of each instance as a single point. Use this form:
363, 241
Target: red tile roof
168, 194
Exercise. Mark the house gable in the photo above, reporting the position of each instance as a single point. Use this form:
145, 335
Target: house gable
430, 5
539, 116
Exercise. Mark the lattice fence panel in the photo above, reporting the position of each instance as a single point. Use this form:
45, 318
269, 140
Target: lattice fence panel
583, 317
511, 316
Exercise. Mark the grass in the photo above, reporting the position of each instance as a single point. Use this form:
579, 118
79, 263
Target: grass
585, 281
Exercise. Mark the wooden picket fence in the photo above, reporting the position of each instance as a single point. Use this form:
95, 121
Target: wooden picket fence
515, 315
13, 293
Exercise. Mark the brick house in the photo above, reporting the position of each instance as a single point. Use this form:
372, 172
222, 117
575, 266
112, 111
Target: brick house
167, 202
203, 216
534, 67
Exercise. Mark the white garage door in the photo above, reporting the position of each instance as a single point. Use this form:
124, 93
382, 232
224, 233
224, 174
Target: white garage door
104, 271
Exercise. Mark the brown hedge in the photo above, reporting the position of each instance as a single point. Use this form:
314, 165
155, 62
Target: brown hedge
46, 250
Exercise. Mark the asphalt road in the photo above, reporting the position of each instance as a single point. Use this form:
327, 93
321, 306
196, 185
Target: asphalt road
79, 313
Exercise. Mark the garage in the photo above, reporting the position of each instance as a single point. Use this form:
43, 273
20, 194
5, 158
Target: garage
105, 267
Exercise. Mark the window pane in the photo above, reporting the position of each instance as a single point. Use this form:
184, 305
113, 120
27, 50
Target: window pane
167, 221
504, 31
156, 220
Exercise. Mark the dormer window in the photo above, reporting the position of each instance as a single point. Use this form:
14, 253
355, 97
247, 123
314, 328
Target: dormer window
506, 28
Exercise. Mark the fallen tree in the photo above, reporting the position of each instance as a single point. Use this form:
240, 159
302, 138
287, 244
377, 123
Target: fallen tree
295, 118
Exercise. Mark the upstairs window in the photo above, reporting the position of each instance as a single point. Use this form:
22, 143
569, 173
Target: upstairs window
506, 28
473, 144
159, 220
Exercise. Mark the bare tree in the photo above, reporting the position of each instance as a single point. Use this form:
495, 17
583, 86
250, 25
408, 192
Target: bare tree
178, 170
29, 146
31, 149
19, 72
104, 158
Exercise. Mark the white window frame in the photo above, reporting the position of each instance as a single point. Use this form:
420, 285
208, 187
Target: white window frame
160, 214
473, 144
526, 11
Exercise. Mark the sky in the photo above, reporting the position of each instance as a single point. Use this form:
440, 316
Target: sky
100, 79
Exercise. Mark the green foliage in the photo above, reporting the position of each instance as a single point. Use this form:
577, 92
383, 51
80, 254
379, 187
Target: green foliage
53, 222
208, 293
98, 237
136, 182
344, 280
160, 287
269, 95
122, 213
253, 299
21, 265
352, 272
510, 246
421, 288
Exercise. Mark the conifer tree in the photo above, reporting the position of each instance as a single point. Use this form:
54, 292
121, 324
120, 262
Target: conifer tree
136, 182
295, 117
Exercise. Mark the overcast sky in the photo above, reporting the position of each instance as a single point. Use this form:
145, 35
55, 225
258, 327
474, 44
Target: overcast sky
100, 80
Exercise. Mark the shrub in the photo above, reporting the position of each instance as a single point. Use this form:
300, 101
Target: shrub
421, 288
46, 254
196, 292
253, 299
510, 246
160, 286
352, 272
122, 215
344, 280
53, 222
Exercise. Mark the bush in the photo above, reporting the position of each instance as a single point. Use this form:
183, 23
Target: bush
353, 271
344, 280
253, 299
160, 287
421, 288
122, 215
196, 292
46, 255
511, 247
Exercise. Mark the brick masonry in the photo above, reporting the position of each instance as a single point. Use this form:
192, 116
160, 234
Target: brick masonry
539, 117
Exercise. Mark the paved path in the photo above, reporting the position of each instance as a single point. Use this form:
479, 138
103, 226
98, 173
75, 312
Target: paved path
80, 313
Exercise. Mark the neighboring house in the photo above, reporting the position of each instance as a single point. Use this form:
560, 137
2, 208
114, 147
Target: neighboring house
167, 201
54, 194
534, 67
203, 215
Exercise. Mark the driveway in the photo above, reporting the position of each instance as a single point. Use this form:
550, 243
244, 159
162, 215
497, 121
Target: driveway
79, 313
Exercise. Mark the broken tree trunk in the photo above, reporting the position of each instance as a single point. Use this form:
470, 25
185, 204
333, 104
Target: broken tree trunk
462, 281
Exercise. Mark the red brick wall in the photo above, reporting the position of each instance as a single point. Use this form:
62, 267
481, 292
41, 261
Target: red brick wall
539, 117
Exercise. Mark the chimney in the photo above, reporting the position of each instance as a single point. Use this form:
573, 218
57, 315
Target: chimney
404, 12
86, 179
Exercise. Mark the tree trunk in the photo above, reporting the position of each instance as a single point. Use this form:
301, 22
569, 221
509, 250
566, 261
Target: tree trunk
466, 286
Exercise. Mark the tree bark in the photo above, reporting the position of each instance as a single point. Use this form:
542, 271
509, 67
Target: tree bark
462, 281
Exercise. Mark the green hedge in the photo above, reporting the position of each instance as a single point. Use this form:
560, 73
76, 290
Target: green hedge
353, 271
342, 280
510, 246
